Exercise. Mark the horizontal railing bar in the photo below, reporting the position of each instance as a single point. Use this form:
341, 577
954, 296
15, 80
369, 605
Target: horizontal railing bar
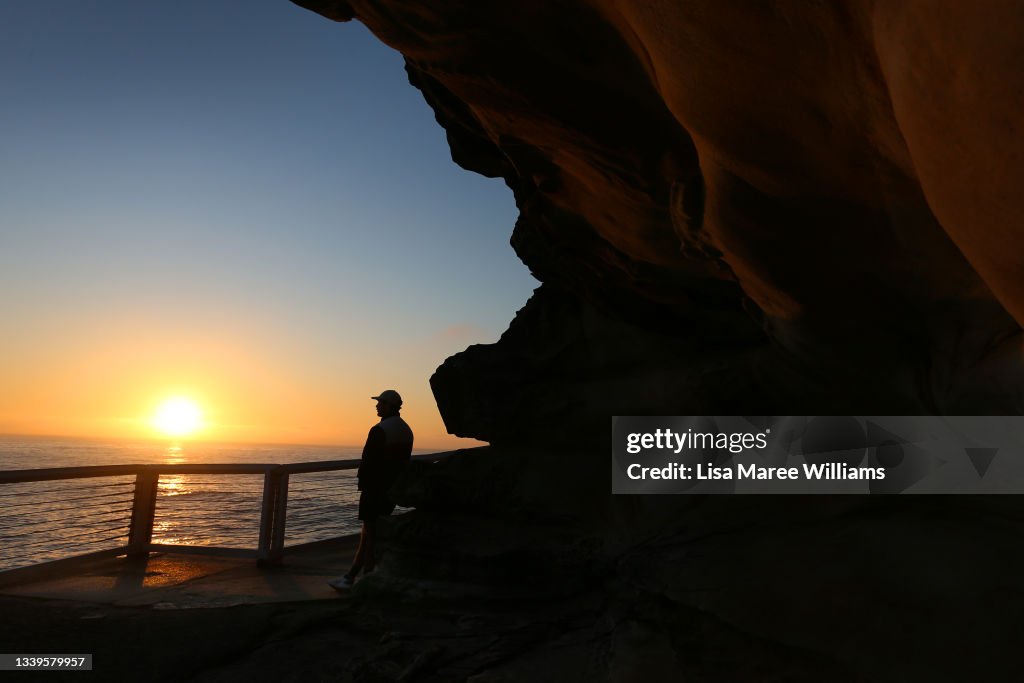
202, 516
305, 515
123, 527
29, 519
326, 465
189, 494
61, 540
232, 468
101, 517
37, 492
66, 538
301, 519
198, 530
94, 541
103, 540
202, 550
208, 533
180, 502
328, 486
168, 483
299, 488
325, 534
328, 496
329, 475
226, 478
58, 473
98, 495
322, 466
302, 505
332, 515
168, 496
340, 518
321, 502
70, 507
62, 546
335, 477
81, 506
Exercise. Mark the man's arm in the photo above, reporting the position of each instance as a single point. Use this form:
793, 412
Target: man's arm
368, 474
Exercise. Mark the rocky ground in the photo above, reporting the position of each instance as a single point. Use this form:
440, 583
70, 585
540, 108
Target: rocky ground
591, 636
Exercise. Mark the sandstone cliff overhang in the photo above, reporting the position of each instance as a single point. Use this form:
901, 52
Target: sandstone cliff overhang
776, 205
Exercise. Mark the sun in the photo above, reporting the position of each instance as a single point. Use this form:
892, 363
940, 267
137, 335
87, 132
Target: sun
178, 416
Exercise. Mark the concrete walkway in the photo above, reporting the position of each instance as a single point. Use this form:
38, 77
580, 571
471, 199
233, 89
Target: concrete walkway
171, 580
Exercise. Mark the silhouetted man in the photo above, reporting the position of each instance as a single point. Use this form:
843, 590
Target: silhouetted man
387, 450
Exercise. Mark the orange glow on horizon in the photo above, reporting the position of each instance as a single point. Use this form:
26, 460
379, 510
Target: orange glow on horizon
109, 382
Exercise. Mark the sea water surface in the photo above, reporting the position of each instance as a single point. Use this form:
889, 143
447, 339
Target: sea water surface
48, 520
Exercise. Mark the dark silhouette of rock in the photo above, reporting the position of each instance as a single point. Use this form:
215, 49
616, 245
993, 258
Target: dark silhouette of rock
813, 175
784, 207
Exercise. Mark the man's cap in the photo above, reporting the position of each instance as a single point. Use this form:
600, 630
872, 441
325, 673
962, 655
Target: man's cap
389, 396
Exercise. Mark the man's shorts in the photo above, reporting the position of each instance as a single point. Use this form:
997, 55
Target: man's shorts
374, 504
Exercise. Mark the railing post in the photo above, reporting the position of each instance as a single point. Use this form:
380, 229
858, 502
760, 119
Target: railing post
273, 514
280, 516
270, 484
140, 533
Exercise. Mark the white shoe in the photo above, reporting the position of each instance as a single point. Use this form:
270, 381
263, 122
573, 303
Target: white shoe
342, 583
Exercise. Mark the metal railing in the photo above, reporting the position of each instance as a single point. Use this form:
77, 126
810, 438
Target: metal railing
138, 528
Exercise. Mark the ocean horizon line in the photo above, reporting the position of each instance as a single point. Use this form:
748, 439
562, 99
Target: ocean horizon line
200, 443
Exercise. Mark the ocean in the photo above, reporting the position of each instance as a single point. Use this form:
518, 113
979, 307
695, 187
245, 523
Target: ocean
42, 521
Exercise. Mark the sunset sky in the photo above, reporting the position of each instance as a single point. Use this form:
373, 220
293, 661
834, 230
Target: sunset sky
243, 204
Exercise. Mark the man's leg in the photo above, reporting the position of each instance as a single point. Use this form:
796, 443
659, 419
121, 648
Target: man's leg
364, 553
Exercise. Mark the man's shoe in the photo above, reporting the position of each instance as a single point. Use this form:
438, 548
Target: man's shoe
342, 583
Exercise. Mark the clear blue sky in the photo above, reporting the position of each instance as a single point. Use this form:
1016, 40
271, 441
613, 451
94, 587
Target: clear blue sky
248, 177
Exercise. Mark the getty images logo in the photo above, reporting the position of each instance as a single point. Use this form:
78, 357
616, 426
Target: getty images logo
887, 458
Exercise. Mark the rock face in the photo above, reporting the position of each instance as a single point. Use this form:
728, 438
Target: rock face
814, 179
783, 207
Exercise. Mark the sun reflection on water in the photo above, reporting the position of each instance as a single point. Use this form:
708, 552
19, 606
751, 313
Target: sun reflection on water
174, 485
174, 455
